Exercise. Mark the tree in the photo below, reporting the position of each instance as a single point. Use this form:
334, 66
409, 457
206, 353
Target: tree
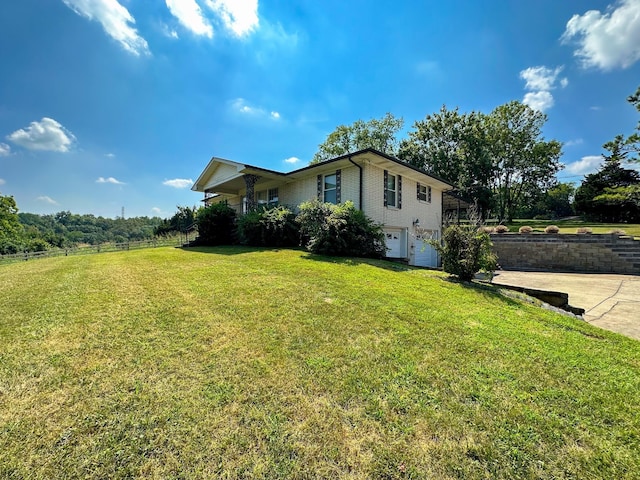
498, 161
522, 160
11, 230
610, 176
376, 133
453, 146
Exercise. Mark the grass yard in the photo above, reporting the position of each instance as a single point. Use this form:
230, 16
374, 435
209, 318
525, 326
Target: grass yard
240, 363
570, 226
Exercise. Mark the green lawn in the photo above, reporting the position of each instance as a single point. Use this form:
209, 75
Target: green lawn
570, 226
243, 363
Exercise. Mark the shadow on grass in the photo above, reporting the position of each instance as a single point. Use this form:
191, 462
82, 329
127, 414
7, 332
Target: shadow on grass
355, 261
234, 249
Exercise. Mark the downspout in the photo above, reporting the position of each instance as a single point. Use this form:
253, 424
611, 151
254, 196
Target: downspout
360, 193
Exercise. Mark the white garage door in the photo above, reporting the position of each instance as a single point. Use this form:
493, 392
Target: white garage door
394, 243
425, 254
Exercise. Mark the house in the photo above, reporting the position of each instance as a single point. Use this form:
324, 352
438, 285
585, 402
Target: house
407, 201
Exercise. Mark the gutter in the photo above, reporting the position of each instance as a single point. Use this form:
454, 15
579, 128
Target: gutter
360, 193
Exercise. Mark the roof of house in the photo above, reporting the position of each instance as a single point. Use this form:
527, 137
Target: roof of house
243, 169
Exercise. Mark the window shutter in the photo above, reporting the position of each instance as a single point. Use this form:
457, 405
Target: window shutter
338, 185
386, 182
320, 188
418, 191
399, 191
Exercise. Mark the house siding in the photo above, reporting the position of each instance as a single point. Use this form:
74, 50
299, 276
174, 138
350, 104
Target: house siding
306, 189
221, 173
429, 214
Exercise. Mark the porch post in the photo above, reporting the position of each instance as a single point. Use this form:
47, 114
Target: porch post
250, 182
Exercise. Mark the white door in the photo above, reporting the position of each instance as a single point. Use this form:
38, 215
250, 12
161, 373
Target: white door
394, 243
425, 254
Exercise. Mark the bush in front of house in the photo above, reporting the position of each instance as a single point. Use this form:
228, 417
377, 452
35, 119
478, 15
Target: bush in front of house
465, 251
269, 227
340, 230
216, 224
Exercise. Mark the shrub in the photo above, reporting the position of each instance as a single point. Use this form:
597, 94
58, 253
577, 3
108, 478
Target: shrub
269, 227
501, 229
525, 229
341, 229
551, 229
465, 252
584, 230
216, 224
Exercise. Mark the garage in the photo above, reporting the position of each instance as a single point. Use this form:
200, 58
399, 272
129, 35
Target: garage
396, 241
425, 255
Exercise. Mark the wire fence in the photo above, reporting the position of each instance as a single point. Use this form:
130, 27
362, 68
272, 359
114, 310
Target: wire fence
175, 241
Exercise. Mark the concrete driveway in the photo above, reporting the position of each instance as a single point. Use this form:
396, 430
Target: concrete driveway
610, 301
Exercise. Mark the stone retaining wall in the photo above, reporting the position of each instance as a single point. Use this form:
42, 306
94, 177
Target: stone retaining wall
601, 253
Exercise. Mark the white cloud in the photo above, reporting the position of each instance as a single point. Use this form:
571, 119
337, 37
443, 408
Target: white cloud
607, 40
241, 106
540, 81
572, 143
292, 160
47, 134
5, 150
46, 199
239, 16
178, 183
116, 21
156, 210
584, 165
109, 180
2, 182
110, 155
540, 101
542, 78
595, 108
190, 15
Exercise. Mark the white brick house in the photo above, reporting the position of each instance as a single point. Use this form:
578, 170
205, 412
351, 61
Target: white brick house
405, 200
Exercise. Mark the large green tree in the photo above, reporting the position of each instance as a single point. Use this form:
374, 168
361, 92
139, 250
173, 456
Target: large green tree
11, 230
453, 146
522, 159
375, 133
499, 161
611, 177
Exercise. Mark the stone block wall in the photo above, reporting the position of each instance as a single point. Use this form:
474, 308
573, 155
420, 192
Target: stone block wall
606, 253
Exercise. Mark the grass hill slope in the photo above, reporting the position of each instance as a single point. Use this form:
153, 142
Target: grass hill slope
241, 363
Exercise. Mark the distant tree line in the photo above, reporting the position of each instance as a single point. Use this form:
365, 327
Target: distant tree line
20, 232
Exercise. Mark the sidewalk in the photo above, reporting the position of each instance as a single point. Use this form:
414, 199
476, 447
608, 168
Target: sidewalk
610, 301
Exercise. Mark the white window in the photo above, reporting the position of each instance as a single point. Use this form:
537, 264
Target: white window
424, 193
267, 197
329, 189
272, 197
391, 190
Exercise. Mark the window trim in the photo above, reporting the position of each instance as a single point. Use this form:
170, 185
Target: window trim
334, 189
393, 190
427, 193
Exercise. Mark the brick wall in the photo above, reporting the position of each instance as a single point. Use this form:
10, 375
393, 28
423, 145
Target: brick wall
605, 253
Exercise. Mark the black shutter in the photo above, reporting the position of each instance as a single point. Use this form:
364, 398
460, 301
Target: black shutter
418, 191
399, 191
338, 185
386, 181
320, 199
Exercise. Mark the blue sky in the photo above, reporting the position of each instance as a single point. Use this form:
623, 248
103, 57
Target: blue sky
112, 103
